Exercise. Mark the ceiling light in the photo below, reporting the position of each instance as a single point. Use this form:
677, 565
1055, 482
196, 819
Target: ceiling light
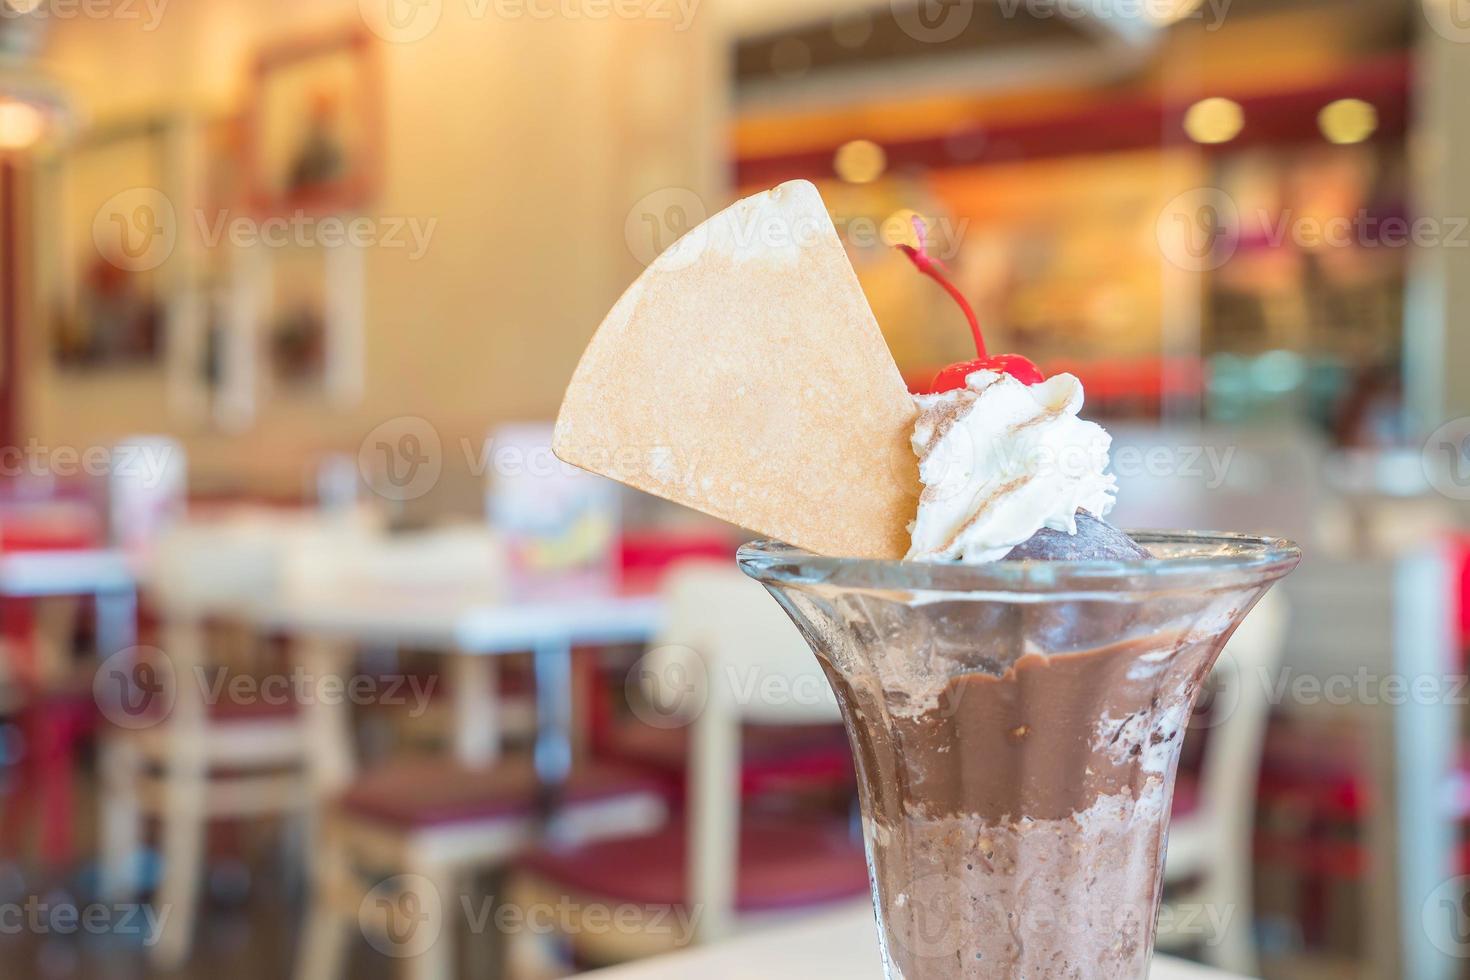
1347, 120
21, 125
1214, 120
860, 161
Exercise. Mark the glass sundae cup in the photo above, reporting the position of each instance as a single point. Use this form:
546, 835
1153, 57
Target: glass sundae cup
1016, 728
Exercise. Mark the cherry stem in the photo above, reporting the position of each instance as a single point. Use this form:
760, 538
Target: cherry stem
932, 269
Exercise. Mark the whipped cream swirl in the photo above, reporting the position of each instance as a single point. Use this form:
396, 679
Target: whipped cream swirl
999, 461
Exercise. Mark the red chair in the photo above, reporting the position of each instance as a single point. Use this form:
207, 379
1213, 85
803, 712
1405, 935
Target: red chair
775, 758
739, 868
54, 707
427, 823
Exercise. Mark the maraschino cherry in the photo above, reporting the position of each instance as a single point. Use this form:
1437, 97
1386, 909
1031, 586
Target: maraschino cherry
954, 375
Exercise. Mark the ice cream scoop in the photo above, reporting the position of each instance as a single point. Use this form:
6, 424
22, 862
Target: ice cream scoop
1095, 540
1000, 460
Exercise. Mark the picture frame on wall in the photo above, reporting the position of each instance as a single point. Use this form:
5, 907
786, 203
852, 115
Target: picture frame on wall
313, 127
222, 142
308, 319
213, 376
110, 275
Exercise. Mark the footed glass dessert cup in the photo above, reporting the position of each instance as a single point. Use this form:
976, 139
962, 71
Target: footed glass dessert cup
1016, 728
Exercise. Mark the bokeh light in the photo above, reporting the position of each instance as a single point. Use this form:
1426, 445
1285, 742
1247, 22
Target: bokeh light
791, 58
1347, 120
1214, 120
860, 161
21, 125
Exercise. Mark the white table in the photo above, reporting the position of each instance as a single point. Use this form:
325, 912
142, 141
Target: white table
340, 582
839, 944
104, 573
474, 628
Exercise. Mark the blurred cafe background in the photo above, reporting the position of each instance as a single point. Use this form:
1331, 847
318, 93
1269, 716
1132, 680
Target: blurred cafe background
315, 663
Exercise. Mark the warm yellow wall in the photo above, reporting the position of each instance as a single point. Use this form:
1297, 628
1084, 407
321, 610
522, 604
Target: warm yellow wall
528, 140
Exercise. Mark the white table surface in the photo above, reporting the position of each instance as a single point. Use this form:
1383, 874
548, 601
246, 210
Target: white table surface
106, 574
467, 622
838, 944
473, 625
89, 571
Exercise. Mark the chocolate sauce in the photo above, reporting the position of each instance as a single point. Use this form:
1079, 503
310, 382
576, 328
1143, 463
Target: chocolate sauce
1016, 824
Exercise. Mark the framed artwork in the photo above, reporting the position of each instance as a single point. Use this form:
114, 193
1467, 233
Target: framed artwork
310, 320
313, 132
109, 282
296, 318
210, 362
221, 142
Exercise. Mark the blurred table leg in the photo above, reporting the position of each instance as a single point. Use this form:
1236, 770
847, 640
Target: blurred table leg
554, 697
475, 689
117, 621
328, 723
